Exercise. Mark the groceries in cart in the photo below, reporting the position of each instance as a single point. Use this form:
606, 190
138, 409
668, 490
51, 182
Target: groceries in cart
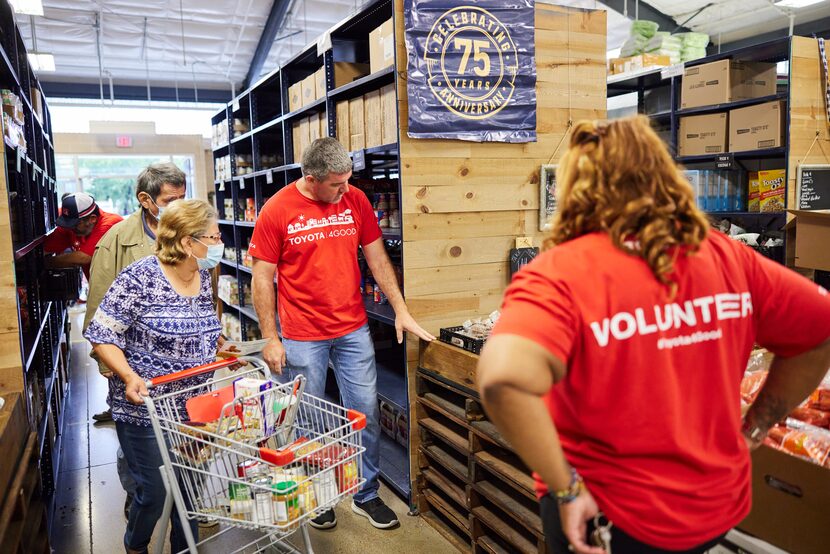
258, 454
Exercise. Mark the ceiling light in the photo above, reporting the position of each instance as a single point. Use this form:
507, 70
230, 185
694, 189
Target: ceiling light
42, 62
796, 3
28, 7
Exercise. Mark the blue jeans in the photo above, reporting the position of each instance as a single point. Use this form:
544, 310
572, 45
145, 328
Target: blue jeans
353, 358
124, 475
144, 458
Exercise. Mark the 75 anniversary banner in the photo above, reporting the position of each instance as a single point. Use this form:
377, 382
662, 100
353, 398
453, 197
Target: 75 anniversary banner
471, 70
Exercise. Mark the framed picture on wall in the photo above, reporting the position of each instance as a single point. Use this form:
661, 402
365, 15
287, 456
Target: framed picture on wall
547, 196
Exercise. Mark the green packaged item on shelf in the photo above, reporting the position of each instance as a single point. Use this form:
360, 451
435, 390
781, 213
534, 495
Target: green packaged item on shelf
665, 43
644, 28
699, 40
690, 54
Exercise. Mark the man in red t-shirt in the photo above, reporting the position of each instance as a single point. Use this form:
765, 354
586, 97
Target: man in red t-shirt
80, 226
644, 319
308, 234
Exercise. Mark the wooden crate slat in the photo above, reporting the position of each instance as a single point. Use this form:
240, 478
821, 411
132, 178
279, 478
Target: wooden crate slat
445, 407
527, 517
490, 546
453, 438
486, 430
509, 473
495, 523
448, 462
438, 503
445, 531
450, 489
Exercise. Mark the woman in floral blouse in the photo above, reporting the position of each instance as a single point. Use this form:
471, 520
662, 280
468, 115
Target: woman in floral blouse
157, 318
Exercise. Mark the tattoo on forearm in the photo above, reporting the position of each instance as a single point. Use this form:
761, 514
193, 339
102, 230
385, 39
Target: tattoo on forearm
767, 410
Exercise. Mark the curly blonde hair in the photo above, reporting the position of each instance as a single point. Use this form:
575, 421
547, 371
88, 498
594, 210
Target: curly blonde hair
182, 218
618, 178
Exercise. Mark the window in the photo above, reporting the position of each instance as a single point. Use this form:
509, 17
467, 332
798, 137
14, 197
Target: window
111, 179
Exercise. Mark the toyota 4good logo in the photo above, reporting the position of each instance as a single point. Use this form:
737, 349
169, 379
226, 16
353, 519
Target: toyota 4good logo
472, 62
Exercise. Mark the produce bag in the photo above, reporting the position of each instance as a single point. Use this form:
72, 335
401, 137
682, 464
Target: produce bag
694, 40
633, 46
644, 28
689, 54
665, 42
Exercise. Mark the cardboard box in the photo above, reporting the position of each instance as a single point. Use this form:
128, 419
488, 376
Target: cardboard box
772, 185
756, 127
754, 193
389, 114
356, 124
702, 134
323, 122
301, 136
726, 81
636, 63
346, 72
296, 143
372, 119
295, 97
789, 497
342, 129
309, 88
357, 142
382, 47
320, 83
313, 128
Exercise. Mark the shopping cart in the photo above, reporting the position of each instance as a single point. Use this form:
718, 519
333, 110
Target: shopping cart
259, 457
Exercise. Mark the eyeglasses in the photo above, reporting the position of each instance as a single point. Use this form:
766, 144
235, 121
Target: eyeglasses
214, 238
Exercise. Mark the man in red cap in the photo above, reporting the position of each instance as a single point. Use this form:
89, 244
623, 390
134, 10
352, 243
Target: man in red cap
80, 226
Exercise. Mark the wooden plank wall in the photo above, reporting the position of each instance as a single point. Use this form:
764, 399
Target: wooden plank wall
465, 203
808, 119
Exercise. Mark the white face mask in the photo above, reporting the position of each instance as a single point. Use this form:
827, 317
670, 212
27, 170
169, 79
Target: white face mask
159, 208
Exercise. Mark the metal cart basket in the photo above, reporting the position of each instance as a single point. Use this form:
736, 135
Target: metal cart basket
259, 457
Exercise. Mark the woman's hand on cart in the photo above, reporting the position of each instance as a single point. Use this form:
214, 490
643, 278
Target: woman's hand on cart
135, 389
232, 352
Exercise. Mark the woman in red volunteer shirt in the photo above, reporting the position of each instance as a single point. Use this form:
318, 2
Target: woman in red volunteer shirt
631, 333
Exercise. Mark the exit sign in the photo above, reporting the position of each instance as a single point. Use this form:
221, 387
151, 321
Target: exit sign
124, 141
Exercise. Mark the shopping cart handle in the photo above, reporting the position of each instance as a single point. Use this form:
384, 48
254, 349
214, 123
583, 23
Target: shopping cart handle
358, 420
192, 372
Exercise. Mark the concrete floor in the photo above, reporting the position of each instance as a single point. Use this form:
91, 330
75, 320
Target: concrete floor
89, 514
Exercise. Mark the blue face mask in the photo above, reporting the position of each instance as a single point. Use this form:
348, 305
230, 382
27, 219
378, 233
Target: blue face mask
213, 257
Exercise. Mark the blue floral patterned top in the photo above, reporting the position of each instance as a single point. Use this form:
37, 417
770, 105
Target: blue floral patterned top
159, 330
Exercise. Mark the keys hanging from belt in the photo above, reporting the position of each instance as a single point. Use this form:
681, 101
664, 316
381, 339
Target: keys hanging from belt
601, 535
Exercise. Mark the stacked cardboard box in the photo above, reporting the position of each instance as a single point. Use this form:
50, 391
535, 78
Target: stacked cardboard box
618, 66
382, 47
369, 120
726, 81
306, 130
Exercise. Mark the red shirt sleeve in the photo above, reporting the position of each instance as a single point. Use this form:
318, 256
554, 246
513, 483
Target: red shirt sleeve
791, 313
105, 223
59, 240
538, 306
266, 240
369, 228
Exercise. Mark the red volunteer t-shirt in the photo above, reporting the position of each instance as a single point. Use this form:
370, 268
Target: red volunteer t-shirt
649, 412
62, 239
314, 245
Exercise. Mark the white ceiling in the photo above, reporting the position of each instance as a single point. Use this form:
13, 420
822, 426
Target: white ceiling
220, 36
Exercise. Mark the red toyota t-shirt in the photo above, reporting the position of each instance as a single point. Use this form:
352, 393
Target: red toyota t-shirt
62, 239
649, 411
314, 245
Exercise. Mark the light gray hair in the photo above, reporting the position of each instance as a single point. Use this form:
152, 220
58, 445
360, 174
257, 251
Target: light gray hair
324, 156
151, 179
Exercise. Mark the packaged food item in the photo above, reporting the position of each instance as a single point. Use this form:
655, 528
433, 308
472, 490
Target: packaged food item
802, 440
250, 469
306, 497
324, 484
263, 504
387, 419
751, 385
402, 427
819, 418
253, 405
241, 502
771, 187
754, 196
286, 504
820, 399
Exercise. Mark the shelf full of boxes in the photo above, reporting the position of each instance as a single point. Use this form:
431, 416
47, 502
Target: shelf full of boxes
345, 91
34, 336
726, 120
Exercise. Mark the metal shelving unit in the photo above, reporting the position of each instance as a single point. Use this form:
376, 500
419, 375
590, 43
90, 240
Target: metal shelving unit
652, 79
265, 105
